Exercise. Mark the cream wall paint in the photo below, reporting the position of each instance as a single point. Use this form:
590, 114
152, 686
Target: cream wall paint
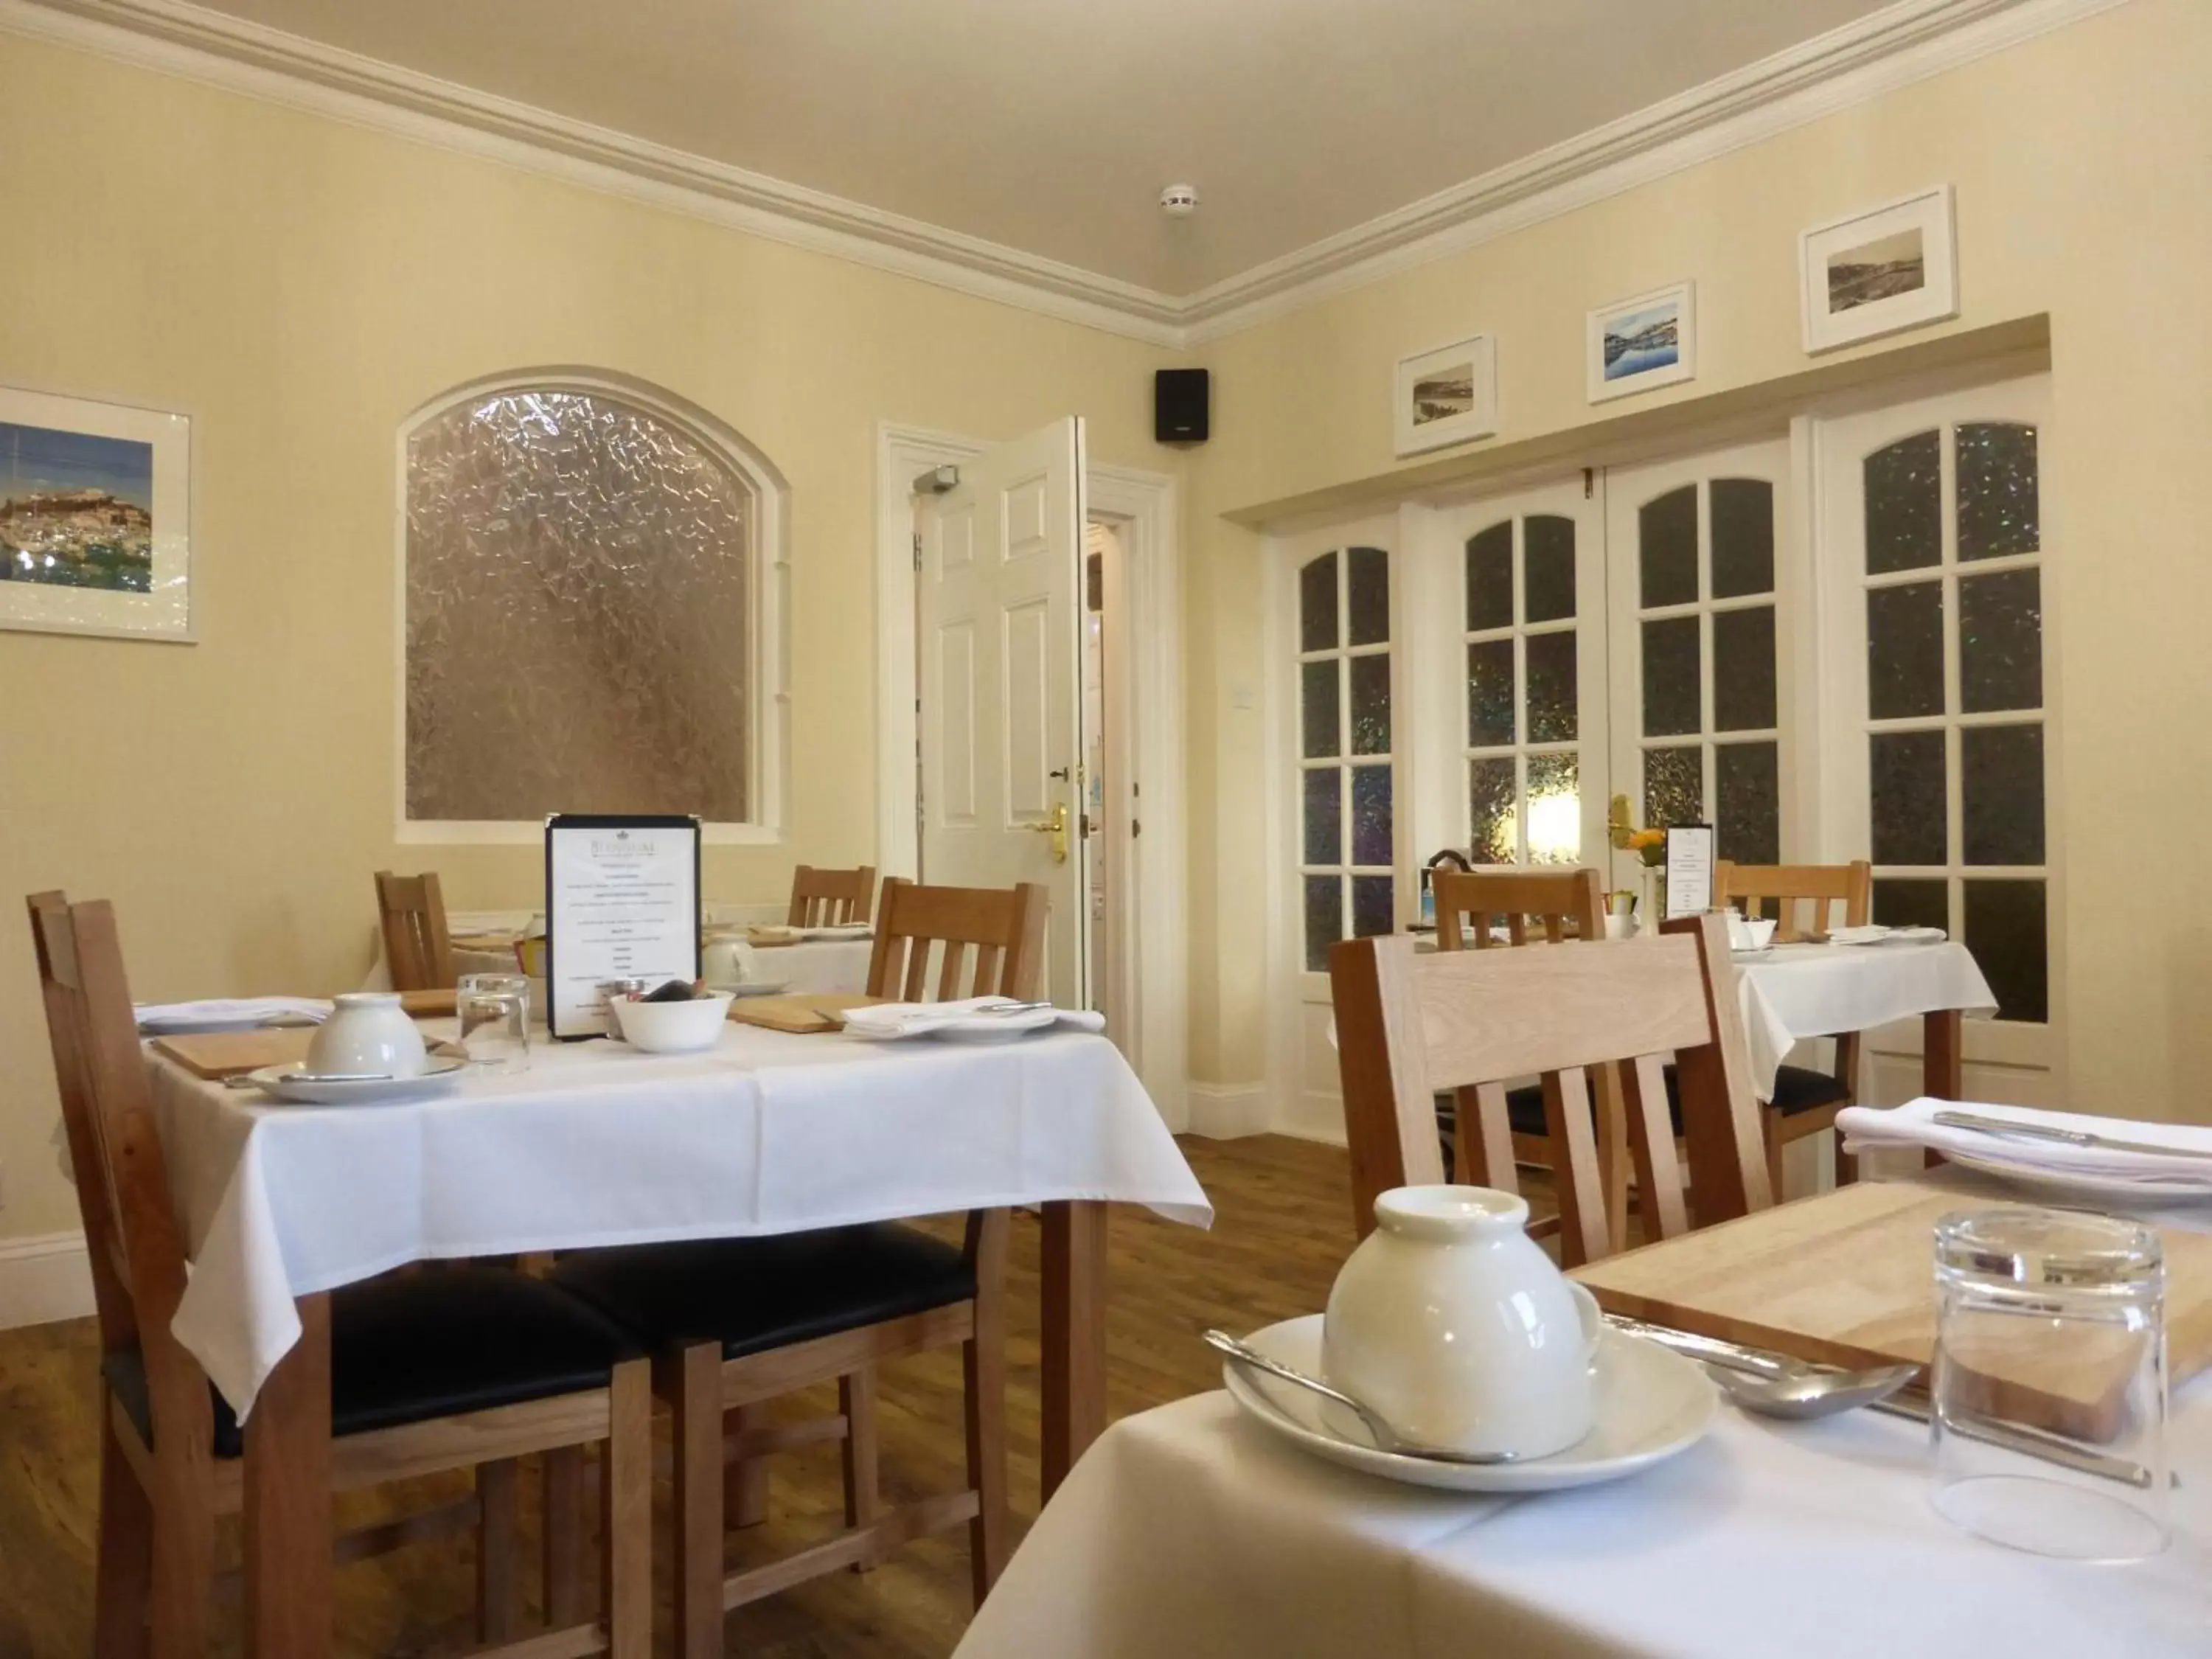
299, 286
2083, 163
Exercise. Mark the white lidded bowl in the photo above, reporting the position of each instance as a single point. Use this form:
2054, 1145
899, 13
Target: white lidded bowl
673, 1028
368, 1034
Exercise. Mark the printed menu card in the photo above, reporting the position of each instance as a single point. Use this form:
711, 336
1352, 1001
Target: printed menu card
1689, 870
622, 902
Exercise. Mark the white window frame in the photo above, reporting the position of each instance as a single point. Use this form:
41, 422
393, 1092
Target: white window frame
769, 560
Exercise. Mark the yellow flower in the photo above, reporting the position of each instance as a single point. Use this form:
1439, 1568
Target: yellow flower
1640, 839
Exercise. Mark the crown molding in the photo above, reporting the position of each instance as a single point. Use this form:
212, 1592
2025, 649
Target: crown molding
1895, 47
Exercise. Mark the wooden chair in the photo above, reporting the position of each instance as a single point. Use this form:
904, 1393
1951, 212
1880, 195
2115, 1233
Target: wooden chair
823, 898
734, 1323
1806, 1101
1568, 904
411, 910
1408, 1025
538, 1372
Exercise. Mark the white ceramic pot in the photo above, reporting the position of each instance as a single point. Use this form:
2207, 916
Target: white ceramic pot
368, 1033
728, 962
1453, 1323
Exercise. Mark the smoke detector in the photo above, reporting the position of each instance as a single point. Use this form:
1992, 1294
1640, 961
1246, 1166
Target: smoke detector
1179, 201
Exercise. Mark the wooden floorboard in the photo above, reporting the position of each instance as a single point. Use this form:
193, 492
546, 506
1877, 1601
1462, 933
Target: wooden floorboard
1284, 1229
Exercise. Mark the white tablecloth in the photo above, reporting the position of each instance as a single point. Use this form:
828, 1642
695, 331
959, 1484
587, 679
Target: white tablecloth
1794, 992
1191, 1531
599, 1145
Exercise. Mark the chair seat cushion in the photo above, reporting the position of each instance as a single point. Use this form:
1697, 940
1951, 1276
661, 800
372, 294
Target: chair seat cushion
1797, 1089
755, 1294
1801, 1089
409, 1348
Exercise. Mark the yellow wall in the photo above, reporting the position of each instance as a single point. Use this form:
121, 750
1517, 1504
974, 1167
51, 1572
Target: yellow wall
2083, 168
299, 286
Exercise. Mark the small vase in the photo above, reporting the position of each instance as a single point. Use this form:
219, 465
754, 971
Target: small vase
1654, 903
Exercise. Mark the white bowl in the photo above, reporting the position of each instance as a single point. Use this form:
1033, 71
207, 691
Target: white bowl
673, 1028
1749, 932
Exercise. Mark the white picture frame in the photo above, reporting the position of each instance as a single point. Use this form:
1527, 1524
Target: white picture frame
1877, 271
1642, 343
100, 494
1446, 395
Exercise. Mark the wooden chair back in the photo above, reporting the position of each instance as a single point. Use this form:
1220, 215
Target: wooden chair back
411, 910
1819, 886
1003, 925
1568, 903
132, 1232
823, 898
1408, 1025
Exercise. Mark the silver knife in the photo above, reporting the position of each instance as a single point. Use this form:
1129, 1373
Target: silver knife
2080, 1138
2029, 1443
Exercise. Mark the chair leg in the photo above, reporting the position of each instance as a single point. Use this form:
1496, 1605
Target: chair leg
123, 1578
562, 1521
856, 1398
1773, 1127
183, 1575
984, 1362
695, 1401
744, 1479
499, 1516
1847, 1163
626, 1514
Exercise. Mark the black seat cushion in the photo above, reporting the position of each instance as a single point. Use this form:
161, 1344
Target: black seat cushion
1797, 1089
1801, 1089
413, 1346
755, 1294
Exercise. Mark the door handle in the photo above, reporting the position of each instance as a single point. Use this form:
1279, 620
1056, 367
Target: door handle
1056, 827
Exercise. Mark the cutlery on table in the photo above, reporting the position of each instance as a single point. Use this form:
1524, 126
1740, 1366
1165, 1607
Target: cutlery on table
1774, 1384
1387, 1438
2013, 1129
2032, 1443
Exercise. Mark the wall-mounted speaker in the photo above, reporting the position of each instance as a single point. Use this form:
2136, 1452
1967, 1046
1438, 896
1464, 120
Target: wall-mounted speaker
1180, 400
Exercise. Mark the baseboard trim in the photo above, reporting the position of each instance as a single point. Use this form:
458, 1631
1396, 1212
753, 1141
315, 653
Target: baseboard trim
42, 1278
1227, 1111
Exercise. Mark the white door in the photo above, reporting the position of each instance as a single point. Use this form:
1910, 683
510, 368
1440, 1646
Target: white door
1698, 680
999, 611
1936, 706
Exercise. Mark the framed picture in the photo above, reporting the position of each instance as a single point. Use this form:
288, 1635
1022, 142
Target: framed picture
1639, 344
1447, 395
1891, 267
95, 518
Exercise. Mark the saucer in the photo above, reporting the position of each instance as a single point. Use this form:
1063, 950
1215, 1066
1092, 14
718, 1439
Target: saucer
1647, 1405
2084, 1187
753, 987
439, 1073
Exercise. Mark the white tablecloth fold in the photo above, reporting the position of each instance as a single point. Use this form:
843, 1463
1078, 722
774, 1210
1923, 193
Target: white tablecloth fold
1913, 1125
1794, 992
596, 1145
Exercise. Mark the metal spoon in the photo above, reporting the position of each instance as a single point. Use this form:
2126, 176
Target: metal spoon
1386, 1437
1771, 1384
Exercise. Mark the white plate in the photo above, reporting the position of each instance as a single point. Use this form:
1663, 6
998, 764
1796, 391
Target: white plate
439, 1074
754, 987
1649, 1405
2106, 1188
996, 1028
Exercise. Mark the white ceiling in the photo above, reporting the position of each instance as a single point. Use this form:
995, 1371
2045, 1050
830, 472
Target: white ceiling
1050, 126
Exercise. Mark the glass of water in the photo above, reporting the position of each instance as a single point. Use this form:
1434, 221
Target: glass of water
2050, 1385
495, 1015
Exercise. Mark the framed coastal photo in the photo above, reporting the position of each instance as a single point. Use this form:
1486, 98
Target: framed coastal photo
95, 518
1891, 267
1447, 395
1639, 344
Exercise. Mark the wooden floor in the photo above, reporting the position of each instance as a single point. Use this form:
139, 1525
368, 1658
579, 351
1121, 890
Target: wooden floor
1283, 1228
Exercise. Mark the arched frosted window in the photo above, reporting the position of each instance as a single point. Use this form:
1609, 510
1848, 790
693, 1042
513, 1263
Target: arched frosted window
588, 617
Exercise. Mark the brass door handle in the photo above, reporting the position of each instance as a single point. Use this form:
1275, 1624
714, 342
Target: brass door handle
1056, 827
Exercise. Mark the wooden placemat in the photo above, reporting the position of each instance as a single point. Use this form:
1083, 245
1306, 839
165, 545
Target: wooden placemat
1848, 1278
808, 1012
216, 1056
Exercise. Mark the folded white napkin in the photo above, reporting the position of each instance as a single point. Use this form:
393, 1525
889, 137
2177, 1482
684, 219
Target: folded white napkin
1876, 933
152, 1015
1913, 1125
901, 1019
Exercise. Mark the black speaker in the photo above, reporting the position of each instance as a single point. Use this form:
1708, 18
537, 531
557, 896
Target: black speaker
1179, 405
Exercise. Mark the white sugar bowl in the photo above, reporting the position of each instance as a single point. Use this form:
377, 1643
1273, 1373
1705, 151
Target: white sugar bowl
727, 961
367, 1035
1451, 1323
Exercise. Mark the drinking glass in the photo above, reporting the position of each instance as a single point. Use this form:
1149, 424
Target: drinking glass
495, 1015
2051, 1333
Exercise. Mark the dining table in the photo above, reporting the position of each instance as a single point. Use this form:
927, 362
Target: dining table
1195, 1530
596, 1145
1791, 993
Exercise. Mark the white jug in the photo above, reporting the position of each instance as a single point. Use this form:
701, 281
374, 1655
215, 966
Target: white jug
1451, 1323
368, 1034
728, 961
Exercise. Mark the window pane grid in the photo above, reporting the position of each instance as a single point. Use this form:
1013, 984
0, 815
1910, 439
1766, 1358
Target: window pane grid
1343, 599
1521, 741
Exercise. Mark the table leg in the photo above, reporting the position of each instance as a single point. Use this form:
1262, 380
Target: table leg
1943, 1063
288, 1499
1074, 1335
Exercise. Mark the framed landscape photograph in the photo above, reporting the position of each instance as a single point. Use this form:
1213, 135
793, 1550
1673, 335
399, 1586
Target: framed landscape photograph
1447, 395
95, 518
1640, 345
1891, 267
